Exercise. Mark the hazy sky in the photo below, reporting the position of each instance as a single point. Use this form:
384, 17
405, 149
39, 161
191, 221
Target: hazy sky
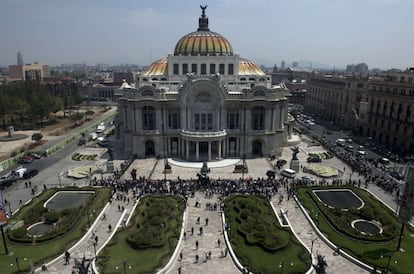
333, 32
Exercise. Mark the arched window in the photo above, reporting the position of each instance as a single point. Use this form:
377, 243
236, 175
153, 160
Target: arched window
147, 93
148, 118
258, 116
259, 93
408, 114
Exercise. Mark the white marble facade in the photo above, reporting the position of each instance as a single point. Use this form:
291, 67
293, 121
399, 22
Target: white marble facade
203, 103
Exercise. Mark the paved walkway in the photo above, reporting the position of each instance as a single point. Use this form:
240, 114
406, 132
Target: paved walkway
212, 231
210, 223
86, 248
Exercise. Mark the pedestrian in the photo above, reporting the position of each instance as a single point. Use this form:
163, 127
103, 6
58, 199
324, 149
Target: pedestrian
206, 221
185, 236
219, 243
201, 230
192, 231
109, 227
196, 244
198, 220
181, 256
67, 257
20, 202
179, 270
104, 216
196, 258
96, 239
209, 254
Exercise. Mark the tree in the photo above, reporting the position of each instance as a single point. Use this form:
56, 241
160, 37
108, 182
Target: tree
37, 137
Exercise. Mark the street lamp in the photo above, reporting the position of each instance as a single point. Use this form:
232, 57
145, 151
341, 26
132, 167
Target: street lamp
281, 265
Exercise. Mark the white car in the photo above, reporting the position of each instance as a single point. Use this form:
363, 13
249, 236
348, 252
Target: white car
19, 172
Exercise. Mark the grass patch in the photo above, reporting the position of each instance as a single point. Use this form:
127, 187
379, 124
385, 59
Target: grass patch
259, 241
150, 238
49, 247
373, 250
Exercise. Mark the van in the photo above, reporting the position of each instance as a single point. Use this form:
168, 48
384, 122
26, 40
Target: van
288, 173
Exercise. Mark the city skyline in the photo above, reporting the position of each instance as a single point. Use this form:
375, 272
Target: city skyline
335, 33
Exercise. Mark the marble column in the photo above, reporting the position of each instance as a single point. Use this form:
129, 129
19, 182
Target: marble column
219, 149
187, 149
197, 151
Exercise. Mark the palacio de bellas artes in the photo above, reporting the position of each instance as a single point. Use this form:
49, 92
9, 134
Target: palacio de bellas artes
203, 103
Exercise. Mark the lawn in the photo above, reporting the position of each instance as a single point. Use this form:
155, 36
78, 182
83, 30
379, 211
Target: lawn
150, 238
258, 240
375, 250
22, 254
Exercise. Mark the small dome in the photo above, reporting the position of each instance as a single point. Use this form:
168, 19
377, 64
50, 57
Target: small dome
247, 67
203, 41
159, 67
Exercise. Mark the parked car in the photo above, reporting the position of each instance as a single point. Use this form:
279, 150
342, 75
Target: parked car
34, 155
24, 160
307, 179
30, 173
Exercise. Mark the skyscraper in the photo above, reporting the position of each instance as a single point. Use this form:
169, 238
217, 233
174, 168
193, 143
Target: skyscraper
282, 65
19, 59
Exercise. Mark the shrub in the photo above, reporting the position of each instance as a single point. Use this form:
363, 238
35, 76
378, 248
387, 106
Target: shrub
51, 216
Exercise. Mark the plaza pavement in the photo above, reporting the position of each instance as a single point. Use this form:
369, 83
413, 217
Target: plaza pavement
153, 169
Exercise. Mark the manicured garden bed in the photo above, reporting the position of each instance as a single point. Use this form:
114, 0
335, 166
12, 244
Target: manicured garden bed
258, 240
70, 225
150, 238
84, 157
374, 249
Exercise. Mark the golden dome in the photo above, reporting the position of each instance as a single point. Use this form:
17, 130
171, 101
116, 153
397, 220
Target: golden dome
159, 67
203, 41
247, 67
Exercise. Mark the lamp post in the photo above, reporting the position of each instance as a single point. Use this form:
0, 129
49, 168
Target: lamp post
94, 248
282, 265
244, 142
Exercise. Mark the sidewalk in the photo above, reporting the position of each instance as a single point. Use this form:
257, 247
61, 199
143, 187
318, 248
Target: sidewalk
86, 248
207, 241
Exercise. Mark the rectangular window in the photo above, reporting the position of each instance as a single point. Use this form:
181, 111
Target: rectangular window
221, 69
203, 121
212, 68
197, 122
194, 68
203, 69
209, 121
174, 121
185, 68
233, 120
175, 69
231, 69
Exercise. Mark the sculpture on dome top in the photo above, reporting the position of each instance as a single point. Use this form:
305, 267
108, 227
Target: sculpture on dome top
203, 10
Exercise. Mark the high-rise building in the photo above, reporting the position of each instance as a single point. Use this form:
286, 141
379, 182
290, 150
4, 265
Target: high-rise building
282, 65
19, 59
34, 71
203, 102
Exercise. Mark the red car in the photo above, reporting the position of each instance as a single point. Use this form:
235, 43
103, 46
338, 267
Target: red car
26, 159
